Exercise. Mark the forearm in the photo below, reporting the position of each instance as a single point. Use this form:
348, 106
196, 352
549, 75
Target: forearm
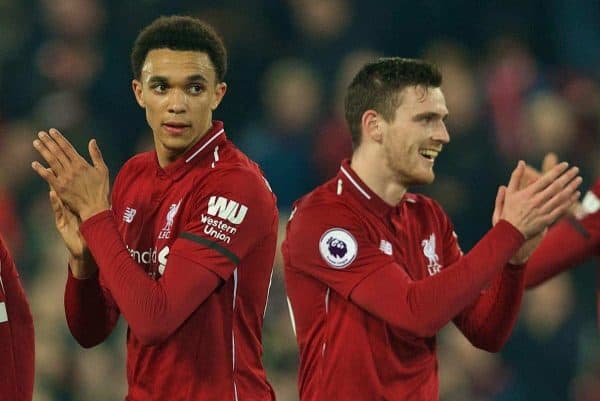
489, 322
153, 309
90, 316
428, 304
565, 246
83, 266
22, 333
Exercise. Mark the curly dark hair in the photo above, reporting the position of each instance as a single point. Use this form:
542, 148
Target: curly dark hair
179, 33
377, 86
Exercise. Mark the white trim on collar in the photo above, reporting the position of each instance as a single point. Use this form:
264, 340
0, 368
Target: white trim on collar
360, 189
204, 146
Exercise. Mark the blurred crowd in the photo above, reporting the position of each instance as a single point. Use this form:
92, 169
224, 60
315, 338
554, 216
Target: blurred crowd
520, 79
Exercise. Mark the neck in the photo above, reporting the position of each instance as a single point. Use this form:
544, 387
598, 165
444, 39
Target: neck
372, 169
167, 156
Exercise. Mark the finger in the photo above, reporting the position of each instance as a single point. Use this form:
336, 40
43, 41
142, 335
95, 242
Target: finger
56, 204
550, 160
46, 173
557, 186
95, 154
54, 148
563, 196
516, 176
65, 145
499, 204
50, 156
530, 175
560, 211
547, 178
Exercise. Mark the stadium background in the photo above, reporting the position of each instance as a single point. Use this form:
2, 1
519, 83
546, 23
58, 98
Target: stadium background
520, 77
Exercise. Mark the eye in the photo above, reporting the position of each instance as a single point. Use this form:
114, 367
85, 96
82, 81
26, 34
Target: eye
196, 89
159, 88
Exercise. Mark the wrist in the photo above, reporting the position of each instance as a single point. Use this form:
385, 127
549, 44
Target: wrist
82, 266
517, 262
85, 214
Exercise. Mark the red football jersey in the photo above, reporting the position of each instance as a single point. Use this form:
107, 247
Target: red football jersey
568, 243
339, 237
16, 334
209, 211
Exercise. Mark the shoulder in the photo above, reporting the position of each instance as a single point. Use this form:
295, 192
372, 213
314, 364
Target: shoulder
130, 173
425, 207
136, 164
324, 209
234, 187
238, 178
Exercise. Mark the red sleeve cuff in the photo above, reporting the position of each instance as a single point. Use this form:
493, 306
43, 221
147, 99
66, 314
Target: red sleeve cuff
516, 268
95, 219
510, 232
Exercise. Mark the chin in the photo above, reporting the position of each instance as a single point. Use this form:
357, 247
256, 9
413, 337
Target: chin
423, 179
176, 142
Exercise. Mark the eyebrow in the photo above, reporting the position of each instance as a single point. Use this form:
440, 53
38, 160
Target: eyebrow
192, 78
430, 114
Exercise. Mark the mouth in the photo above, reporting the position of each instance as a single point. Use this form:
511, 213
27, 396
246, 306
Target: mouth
175, 128
429, 154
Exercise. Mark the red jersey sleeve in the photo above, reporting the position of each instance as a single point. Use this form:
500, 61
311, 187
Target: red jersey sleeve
334, 248
228, 221
16, 334
568, 243
155, 309
488, 322
90, 309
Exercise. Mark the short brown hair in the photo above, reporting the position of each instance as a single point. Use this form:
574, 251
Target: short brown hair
378, 84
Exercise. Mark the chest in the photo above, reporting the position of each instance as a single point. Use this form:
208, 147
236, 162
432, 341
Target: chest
415, 241
150, 217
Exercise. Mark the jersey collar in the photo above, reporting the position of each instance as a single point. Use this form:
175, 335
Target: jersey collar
214, 137
359, 190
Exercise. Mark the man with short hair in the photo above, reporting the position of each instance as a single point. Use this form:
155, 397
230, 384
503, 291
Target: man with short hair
373, 272
571, 241
17, 346
185, 249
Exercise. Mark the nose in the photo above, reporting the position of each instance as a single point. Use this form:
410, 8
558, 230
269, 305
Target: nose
441, 134
177, 102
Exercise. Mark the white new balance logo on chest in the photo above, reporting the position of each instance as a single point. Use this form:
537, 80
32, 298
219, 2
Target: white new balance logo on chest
129, 214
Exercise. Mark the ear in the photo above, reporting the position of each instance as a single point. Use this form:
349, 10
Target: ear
136, 86
220, 91
370, 124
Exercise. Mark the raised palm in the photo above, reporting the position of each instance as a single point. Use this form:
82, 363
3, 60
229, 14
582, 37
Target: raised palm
67, 225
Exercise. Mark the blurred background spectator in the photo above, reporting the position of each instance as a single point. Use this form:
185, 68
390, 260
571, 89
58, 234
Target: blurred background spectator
520, 78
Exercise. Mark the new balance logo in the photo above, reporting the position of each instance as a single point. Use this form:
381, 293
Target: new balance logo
229, 210
385, 247
129, 214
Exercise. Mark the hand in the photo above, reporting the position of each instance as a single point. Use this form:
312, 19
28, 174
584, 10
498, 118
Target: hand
82, 187
532, 174
81, 261
527, 249
533, 207
529, 246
